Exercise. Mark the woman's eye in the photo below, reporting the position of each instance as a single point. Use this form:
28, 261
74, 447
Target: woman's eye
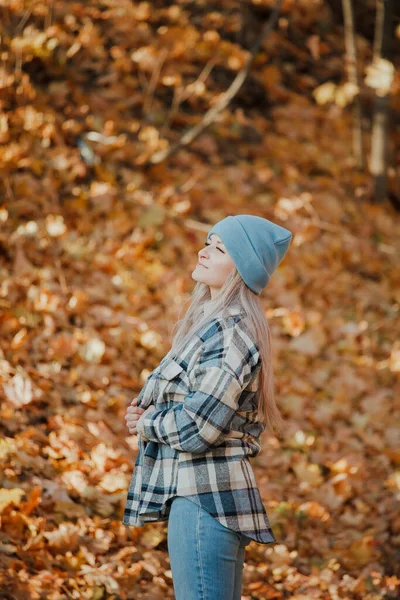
217, 248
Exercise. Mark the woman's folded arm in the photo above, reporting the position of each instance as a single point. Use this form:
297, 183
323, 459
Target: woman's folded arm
224, 368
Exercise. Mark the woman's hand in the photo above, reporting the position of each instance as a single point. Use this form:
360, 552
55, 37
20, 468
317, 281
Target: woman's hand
134, 413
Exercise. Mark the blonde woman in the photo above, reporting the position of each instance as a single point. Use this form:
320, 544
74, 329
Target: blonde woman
201, 412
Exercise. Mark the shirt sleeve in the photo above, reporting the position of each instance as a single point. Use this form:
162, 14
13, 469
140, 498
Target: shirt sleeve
228, 357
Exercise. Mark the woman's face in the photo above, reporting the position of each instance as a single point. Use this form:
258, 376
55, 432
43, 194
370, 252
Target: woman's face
214, 264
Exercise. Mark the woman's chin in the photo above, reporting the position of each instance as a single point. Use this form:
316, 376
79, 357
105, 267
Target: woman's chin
196, 276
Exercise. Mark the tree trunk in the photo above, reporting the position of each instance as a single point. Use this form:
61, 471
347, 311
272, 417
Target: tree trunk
351, 67
380, 120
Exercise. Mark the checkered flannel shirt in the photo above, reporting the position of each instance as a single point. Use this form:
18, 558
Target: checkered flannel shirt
198, 441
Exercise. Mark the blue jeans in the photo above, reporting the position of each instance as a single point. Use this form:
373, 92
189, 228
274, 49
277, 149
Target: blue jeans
206, 558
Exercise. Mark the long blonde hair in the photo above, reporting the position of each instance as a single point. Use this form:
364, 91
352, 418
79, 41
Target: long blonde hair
234, 292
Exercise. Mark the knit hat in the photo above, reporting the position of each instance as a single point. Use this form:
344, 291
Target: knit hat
255, 245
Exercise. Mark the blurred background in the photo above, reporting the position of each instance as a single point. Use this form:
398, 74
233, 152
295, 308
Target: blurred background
127, 129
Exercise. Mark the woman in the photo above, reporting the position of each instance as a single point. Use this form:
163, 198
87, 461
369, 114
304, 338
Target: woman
200, 414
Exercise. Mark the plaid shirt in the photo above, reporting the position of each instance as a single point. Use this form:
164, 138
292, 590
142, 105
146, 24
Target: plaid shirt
198, 441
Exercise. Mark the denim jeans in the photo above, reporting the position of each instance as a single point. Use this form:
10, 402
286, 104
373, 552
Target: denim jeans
206, 558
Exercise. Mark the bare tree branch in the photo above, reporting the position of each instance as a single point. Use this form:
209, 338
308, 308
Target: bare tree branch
190, 135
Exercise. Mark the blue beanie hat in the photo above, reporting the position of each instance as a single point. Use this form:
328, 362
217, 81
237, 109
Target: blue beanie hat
255, 245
